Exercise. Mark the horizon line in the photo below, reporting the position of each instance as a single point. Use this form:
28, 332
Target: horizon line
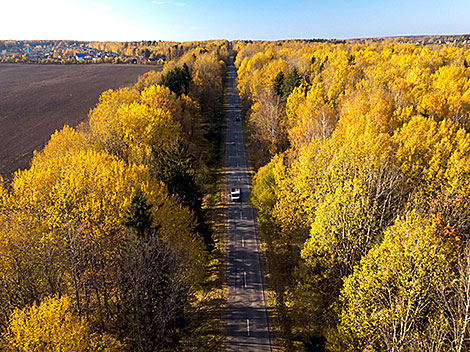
246, 39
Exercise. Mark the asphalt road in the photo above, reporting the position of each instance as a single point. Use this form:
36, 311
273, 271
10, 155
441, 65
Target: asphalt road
247, 318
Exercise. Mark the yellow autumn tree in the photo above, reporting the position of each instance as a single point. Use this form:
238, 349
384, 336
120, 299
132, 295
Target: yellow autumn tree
387, 299
54, 326
433, 155
103, 125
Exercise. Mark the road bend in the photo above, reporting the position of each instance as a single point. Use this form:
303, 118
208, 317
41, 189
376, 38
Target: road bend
247, 318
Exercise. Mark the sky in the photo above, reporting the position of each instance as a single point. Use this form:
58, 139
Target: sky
189, 20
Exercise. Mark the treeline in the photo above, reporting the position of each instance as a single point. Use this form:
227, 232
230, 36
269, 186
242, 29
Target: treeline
70, 60
13, 44
362, 192
156, 49
104, 240
64, 51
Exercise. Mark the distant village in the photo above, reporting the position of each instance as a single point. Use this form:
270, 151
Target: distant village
420, 40
69, 52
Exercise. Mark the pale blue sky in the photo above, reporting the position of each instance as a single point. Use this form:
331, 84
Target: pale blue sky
187, 20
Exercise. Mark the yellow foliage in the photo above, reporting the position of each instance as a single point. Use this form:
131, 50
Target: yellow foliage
148, 79
61, 221
159, 97
103, 120
386, 300
88, 192
449, 95
143, 125
309, 115
343, 229
434, 155
54, 326
377, 128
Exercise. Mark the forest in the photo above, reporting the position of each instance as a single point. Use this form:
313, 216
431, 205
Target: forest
362, 160
106, 243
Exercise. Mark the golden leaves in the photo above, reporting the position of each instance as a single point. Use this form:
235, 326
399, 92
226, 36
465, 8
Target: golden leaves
54, 326
386, 300
375, 130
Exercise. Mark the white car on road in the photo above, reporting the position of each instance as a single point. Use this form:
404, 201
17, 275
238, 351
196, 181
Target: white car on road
235, 194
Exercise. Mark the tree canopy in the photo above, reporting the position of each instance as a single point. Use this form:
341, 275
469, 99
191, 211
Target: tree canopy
359, 149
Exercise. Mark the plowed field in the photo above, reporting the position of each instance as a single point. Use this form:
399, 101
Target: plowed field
36, 100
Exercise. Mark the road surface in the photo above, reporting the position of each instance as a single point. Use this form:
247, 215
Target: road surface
247, 320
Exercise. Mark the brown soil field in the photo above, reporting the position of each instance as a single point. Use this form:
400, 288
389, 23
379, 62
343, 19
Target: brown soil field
37, 100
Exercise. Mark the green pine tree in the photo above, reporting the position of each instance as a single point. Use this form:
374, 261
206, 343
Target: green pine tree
279, 83
138, 216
